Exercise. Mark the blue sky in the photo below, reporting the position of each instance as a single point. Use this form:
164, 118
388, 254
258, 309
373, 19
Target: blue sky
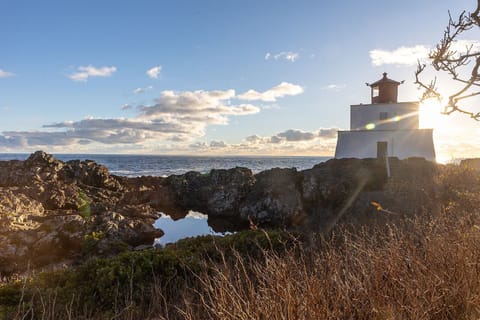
226, 77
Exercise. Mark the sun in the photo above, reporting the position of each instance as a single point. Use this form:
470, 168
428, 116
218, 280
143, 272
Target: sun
430, 115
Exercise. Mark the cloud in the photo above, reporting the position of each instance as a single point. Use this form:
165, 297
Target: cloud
217, 144
5, 74
285, 55
283, 89
84, 73
292, 136
296, 135
327, 133
318, 142
198, 145
142, 90
275, 139
254, 139
461, 46
154, 72
207, 107
106, 131
409, 56
174, 117
334, 87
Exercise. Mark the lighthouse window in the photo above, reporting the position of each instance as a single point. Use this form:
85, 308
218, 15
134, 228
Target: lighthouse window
383, 115
375, 92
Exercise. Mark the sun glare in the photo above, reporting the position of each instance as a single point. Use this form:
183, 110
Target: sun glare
430, 115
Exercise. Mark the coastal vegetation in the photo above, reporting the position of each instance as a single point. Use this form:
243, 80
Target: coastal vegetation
387, 265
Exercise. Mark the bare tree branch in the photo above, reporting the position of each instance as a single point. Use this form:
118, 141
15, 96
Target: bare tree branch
454, 62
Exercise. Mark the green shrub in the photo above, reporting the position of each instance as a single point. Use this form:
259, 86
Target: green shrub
103, 283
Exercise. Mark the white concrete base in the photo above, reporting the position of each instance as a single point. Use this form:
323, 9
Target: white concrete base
401, 143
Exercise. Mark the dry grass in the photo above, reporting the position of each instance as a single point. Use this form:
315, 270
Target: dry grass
421, 270
413, 269
427, 267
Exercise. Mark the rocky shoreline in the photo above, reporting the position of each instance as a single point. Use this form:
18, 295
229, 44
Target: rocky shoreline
55, 212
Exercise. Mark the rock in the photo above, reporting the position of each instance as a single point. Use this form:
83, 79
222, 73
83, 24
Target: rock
319, 197
275, 198
16, 209
220, 193
91, 174
53, 212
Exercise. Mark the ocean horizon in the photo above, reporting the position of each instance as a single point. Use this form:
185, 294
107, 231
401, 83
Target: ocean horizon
165, 165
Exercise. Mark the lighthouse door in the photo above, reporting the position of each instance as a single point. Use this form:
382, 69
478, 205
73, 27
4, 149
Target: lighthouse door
382, 149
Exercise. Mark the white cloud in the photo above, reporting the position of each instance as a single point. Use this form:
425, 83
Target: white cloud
5, 74
285, 55
463, 45
409, 56
142, 90
283, 89
177, 118
84, 73
292, 141
205, 107
334, 87
154, 72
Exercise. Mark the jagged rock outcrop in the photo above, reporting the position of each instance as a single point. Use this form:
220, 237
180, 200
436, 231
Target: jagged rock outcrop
275, 198
53, 211
317, 197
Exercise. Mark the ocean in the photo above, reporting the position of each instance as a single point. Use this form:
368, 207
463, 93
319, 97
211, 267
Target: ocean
153, 165
195, 223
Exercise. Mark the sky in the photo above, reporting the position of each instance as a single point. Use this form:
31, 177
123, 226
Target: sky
252, 77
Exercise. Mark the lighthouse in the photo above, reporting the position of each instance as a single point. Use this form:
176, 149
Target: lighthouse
385, 127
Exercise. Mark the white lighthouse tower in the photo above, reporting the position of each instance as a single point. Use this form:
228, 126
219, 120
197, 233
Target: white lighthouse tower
385, 128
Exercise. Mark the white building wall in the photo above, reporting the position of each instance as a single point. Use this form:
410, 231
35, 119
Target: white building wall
365, 114
402, 143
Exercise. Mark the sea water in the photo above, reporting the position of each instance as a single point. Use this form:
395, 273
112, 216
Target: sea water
154, 165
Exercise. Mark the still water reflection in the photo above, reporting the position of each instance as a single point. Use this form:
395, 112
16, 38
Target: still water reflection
194, 224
